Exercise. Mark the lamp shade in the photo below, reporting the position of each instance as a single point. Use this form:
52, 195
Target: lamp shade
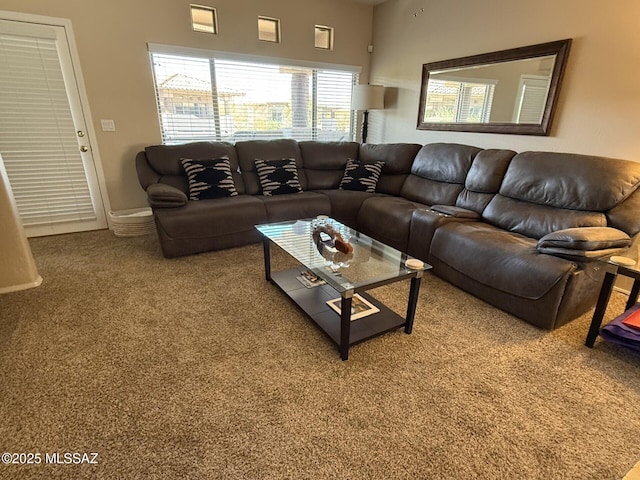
367, 97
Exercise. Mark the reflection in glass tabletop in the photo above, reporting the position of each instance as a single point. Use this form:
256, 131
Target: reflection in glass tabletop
370, 262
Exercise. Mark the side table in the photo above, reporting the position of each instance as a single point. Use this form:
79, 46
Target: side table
613, 270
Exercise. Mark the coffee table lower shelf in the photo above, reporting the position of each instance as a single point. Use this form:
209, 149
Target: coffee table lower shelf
313, 302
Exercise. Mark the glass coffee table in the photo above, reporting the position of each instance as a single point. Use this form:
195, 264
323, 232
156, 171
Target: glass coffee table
330, 283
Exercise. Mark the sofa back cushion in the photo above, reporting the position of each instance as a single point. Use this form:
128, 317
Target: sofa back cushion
324, 162
166, 160
566, 180
397, 159
484, 178
542, 192
252, 150
536, 221
438, 173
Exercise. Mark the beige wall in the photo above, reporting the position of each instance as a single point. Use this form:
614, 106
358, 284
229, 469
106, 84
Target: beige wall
112, 39
599, 106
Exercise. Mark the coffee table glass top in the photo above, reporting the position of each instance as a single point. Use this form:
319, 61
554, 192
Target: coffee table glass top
371, 261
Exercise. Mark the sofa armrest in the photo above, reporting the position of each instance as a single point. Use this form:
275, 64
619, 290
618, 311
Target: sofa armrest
160, 195
457, 212
584, 242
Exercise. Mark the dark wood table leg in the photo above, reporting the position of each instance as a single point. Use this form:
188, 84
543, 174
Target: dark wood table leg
345, 326
633, 294
266, 243
601, 307
413, 302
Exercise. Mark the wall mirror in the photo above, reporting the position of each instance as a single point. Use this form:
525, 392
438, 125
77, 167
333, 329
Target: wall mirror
511, 91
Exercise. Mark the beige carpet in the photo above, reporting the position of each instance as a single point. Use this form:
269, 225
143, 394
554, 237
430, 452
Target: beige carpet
198, 368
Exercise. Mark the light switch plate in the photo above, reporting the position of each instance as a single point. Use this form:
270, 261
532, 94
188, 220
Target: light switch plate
108, 125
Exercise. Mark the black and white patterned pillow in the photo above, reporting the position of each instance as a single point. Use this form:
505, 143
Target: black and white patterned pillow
362, 177
278, 176
210, 178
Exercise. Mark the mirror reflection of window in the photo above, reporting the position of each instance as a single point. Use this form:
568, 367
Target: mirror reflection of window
451, 100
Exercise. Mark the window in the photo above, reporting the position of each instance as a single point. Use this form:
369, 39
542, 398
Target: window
269, 29
204, 19
229, 99
452, 100
324, 37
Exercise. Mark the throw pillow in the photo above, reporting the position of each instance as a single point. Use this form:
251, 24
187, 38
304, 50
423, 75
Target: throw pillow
361, 176
210, 178
278, 176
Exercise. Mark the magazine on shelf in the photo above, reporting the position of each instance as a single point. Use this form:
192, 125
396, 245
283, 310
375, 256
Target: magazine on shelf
633, 319
310, 279
359, 307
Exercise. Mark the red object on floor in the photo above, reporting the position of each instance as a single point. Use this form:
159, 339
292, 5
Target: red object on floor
633, 320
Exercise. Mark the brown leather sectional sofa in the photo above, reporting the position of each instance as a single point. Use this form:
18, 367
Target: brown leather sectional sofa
516, 230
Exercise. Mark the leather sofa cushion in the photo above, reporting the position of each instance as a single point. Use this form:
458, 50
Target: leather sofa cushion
211, 218
388, 219
502, 260
474, 200
536, 221
487, 170
345, 204
397, 158
161, 195
324, 162
564, 180
294, 206
430, 192
251, 150
484, 179
625, 215
165, 159
444, 162
438, 173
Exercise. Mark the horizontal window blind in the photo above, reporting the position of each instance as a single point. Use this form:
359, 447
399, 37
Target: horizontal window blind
450, 100
234, 100
38, 141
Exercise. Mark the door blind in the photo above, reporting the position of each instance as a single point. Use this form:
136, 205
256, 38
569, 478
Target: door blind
38, 141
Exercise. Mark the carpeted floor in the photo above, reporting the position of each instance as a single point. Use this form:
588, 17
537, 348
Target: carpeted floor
198, 368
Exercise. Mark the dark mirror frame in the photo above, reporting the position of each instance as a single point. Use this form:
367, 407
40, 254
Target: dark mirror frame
559, 48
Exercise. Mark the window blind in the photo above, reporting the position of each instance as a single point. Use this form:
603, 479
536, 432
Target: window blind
37, 136
233, 100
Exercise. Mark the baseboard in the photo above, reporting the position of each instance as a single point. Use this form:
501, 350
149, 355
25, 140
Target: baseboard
23, 286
